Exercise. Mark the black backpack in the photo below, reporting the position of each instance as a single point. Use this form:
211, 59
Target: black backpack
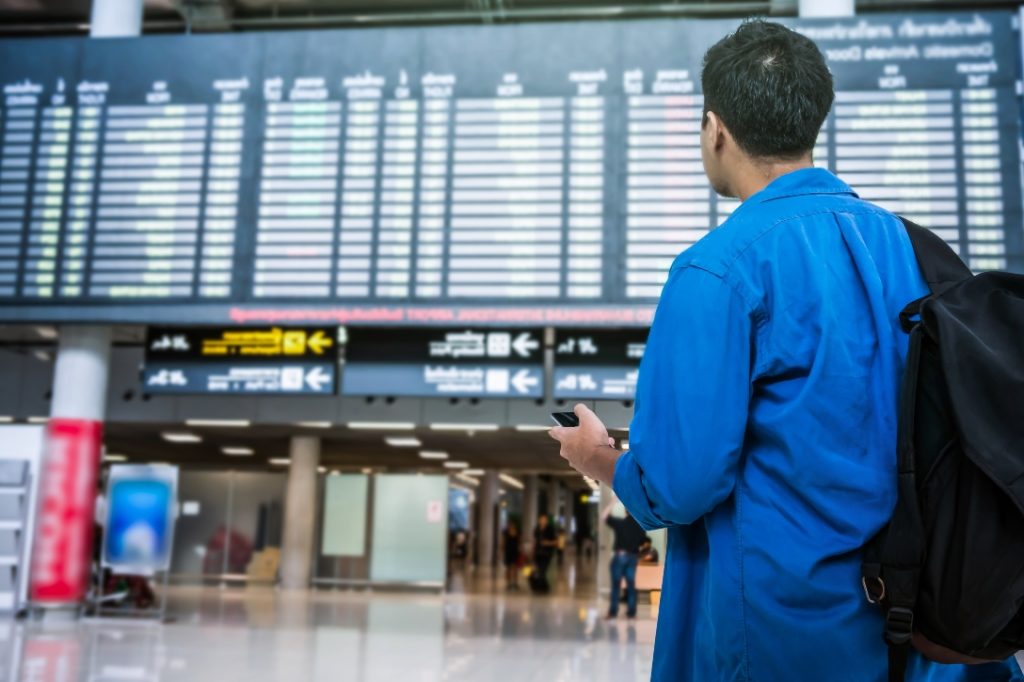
948, 570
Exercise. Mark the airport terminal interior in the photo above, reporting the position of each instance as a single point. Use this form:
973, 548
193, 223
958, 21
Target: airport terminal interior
290, 289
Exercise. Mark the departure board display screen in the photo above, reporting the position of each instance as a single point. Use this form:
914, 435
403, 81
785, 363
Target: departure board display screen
532, 174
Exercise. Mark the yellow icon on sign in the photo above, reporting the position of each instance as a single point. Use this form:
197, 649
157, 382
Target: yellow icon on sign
318, 341
294, 343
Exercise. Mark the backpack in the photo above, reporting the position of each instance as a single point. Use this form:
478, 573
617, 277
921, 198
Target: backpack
948, 569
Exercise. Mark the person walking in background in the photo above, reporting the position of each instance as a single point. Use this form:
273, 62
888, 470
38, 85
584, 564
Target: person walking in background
648, 552
625, 556
512, 547
544, 543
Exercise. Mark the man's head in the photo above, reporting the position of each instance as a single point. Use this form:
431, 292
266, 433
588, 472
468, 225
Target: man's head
767, 91
542, 521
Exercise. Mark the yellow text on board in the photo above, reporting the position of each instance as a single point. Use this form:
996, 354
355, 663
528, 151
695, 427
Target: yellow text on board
273, 342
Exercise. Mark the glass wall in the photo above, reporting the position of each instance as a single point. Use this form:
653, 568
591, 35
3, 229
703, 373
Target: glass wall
229, 526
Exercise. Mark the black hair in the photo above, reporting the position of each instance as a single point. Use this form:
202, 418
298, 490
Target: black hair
771, 88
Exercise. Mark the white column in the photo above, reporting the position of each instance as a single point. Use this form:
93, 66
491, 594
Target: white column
116, 18
300, 513
81, 373
488, 506
530, 494
827, 8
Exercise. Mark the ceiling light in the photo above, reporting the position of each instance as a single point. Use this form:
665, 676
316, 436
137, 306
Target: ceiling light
181, 438
314, 425
624, 445
335, 472
512, 481
468, 479
433, 454
322, 470
463, 427
236, 451
383, 426
114, 458
38, 420
6, 419
225, 423
403, 442
367, 470
532, 427
42, 355
46, 332
473, 472
623, 429
280, 461
456, 465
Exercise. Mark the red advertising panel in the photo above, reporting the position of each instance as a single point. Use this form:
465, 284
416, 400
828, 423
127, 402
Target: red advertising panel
63, 542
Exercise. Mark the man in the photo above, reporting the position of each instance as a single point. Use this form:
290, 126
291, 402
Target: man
625, 556
544, 543
764, 433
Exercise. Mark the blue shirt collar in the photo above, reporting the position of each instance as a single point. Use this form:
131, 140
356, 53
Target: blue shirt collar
802, 182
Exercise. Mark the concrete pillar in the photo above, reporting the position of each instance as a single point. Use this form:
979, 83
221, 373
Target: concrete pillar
63, 530
605, 541
116, 18
81, 373
827, 8
530, 494
300, 513
485, 540
554, 498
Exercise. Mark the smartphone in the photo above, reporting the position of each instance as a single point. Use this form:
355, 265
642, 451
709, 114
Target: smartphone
565, 419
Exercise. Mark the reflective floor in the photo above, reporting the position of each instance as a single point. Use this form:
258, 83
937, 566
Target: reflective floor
258, 634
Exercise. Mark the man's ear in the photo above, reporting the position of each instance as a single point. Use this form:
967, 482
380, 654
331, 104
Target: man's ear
716, 131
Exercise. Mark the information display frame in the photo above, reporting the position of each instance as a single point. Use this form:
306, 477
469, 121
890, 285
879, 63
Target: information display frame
392, 176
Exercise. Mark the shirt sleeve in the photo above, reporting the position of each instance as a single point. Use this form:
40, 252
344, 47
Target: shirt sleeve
692, 400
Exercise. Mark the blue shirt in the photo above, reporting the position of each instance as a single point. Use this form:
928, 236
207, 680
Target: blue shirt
764, 438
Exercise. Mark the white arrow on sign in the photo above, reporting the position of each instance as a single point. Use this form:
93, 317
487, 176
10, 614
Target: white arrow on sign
316, 378
523, 381
525, 343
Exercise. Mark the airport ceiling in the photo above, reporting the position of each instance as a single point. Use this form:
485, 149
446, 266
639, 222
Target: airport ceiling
345, 449
42, 17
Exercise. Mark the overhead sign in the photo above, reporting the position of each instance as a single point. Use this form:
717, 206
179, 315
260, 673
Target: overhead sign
251, 379
595, 365
482, 363
271, 360
306, 343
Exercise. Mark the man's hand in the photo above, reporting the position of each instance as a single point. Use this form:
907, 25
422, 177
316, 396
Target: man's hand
588, 448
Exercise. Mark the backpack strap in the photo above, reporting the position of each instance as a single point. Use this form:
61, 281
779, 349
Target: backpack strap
903, 551
939, 265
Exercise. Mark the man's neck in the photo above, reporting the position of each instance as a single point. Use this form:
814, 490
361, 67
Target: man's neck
758, 175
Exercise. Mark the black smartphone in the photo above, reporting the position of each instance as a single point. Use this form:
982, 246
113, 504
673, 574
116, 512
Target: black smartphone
565, 419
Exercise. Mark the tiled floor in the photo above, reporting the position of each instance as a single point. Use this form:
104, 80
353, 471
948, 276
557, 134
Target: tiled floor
261, 634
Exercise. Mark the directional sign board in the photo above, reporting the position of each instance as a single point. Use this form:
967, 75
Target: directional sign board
595, 365
270, 360
480, 363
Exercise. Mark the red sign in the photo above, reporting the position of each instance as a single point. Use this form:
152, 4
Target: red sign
63, 544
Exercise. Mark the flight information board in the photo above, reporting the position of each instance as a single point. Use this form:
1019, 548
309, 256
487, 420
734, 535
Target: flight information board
499, 175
